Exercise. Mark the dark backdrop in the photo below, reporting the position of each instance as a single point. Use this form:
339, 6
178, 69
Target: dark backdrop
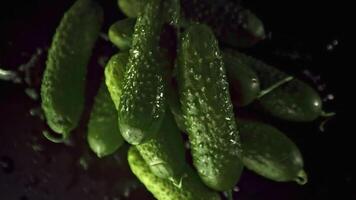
300, 34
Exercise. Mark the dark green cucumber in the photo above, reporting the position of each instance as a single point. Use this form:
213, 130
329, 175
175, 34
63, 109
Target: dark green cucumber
63, 83
104, 137
165, 153
232, 24
143, 101
269, 153
114, 75
120, 33
293, 100
131, 8
243, 81
191, 187
207, 109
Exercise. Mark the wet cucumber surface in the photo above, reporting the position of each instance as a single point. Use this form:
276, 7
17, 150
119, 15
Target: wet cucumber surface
63, 83
207, 109
191, 186
142, 103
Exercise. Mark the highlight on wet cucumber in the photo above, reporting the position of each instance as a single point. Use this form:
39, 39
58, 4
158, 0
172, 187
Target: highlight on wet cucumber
104, 137
191, 187
291, 99
269, 153
143, 101
120, 33
207, 109
63, 82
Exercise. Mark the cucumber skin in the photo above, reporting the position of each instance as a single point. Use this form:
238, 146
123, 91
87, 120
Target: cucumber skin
104, 137
191, 189
165, 148
143, 101
63, 83
207, 109
269, 153
114, 75
120, 33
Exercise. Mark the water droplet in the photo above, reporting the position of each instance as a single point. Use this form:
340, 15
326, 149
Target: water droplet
236, 189
7, 164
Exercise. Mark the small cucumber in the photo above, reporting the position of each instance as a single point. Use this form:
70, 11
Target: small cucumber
243, 81
232, 24
293, 100
131, 8
120, 33
165, 153
191, 187
104, 137
114, 75
269, 153
207, 109
143, 100
63, 83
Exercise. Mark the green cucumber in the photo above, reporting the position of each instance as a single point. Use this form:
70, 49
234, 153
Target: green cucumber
165, 153
269, 153
63, 83
191, 187
114, 75
143, 102
104, 137
120, 33
291, 100
243, 81
131, 8
207, 109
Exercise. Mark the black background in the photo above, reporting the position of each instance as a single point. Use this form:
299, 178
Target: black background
305, 27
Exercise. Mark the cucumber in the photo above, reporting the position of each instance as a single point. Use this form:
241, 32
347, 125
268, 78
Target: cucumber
269, 153
104, 137
114, 75
207, 109
131, 8
243, 81
63, 83
143, 102
165, 153
191, 186
293, 100
120, 33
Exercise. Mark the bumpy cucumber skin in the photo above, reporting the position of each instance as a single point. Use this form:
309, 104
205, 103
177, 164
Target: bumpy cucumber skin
191, 189
207, 109
104, 137
131, 8
165, 153
120, 33
63, 83
114, 75
292, 101
243, 81
143, 102
269, 153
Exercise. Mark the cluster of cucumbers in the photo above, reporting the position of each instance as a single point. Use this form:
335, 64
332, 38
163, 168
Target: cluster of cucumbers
152, 93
